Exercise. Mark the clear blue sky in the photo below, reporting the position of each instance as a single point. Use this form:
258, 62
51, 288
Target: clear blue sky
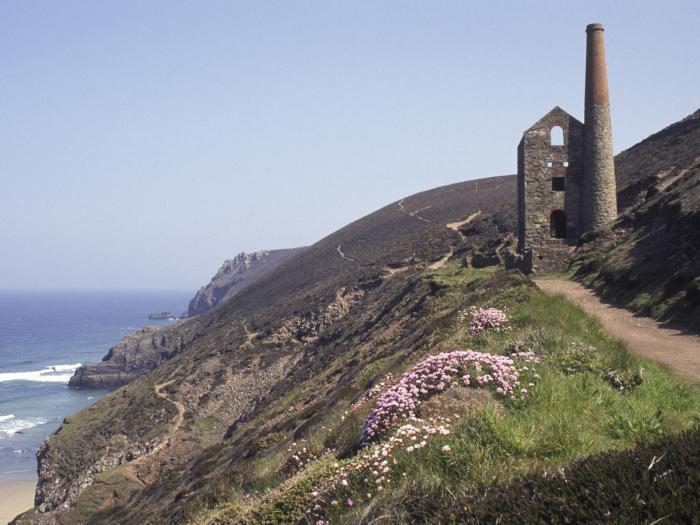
143, 142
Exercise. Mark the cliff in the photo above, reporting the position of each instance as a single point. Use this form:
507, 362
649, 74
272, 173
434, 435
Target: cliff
235, 274
133, 356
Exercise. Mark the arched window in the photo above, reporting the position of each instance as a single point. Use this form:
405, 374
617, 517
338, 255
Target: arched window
557, 136
557, 224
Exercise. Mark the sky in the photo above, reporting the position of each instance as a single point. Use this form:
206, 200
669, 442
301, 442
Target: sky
142, 143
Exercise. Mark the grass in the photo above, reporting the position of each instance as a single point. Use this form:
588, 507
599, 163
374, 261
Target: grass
593, 396
567, 416
453, 274
563, 274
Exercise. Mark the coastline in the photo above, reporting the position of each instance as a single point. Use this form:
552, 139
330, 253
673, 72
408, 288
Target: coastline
46, 335
15, 498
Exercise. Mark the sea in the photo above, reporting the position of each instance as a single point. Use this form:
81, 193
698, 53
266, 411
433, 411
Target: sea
44, 337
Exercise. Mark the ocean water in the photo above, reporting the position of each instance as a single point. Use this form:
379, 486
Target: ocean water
44, 337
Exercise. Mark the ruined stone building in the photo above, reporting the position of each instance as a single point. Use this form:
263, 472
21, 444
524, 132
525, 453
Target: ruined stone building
566, 175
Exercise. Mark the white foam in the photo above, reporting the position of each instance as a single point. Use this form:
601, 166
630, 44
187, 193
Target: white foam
12, 425
50, 374
5, 418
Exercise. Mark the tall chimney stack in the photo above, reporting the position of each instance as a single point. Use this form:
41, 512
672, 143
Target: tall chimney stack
600, 194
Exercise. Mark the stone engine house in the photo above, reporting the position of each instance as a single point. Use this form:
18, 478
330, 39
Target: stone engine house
566, 174
550, 167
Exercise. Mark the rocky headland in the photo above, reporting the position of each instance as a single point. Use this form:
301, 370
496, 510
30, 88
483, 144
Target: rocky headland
133, 356
235, 274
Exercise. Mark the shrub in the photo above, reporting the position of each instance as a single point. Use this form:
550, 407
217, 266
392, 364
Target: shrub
487, 319
624, 380
655, 482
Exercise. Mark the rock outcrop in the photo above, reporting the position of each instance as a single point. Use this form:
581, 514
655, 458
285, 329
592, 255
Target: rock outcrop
235, 274
133, 356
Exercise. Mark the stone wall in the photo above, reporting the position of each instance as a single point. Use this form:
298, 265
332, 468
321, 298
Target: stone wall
538, 163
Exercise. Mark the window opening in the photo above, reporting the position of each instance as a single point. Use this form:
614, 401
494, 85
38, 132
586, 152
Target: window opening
557, 136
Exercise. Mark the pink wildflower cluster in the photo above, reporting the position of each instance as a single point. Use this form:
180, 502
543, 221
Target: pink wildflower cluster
388, 381
372, 468
487, 318
441, 371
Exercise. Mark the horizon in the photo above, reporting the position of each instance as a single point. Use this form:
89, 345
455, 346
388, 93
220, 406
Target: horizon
148, 144
98, 290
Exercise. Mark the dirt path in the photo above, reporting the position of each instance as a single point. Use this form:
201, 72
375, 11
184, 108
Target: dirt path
415, 215
128, 469
249, 336
339, 249
455, 226
643, 335
176, 422
443, 260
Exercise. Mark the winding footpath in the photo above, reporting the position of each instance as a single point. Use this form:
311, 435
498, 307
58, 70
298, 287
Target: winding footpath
177, 422
129, 469
643, 335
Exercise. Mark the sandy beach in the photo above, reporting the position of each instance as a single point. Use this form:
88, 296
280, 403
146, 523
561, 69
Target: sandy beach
15, 497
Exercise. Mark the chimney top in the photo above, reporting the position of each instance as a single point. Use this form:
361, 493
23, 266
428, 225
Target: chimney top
594, 27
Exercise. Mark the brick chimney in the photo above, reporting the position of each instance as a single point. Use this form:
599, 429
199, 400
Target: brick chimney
599, 203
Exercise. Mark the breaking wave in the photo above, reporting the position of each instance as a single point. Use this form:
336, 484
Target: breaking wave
10, 425
50, 374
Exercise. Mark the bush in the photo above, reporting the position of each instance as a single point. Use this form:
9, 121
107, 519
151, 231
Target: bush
657, 481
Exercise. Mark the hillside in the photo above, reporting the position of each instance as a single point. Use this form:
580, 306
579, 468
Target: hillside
648, 260
227, 365
260, 409
298, 446
268, 408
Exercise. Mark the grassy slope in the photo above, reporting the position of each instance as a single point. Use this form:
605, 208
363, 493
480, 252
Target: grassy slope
648, 261
226, 346
573, 412
654, 482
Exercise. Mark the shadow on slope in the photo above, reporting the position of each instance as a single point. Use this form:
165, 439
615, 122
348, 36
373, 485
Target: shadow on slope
648, 261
